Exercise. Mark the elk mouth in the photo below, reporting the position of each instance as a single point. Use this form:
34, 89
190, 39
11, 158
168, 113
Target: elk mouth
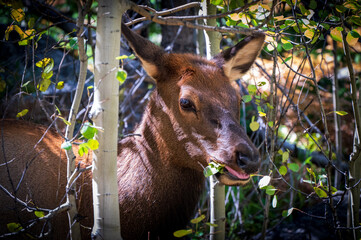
232, 177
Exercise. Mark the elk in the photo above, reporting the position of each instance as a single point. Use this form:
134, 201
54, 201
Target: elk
192, 118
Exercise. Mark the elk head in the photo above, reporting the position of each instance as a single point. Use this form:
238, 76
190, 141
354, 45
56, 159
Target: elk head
202, 106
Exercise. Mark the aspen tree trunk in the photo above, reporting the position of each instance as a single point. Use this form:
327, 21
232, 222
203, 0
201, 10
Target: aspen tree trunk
337, 119
217, 190
105, 116
75, 226
354, 174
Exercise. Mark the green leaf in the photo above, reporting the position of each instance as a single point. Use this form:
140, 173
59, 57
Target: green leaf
356, 20
121, 75
294, 167
270, 124
213, 168
31, 22
287, 59
311, 172
313, 4
39, 214
254, 126
274, 201
198, 219
212, 224
22, 113
260, 84
93, 144
336, 35
355, 34
339, 29
46, 75
325, 26
44, 84
352, 41
333, 190
252, 89
287, 46
182, 233
49, 67
66, 145
304, 11
282, 170
83, 149
14, 227
66, 121
320, 192
340, 8
88, 131
246, 98
285, 156
270, 190
73, 42
286, 213
308, 181
263, 182
341, 113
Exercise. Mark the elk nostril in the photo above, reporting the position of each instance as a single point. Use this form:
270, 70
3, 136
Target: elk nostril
242, 160
249, 163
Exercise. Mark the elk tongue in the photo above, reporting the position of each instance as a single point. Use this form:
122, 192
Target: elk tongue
237, 174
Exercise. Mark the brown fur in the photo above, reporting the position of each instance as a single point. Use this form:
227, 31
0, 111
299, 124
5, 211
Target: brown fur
159, 172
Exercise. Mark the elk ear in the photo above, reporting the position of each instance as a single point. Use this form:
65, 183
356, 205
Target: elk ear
237, 60
149, 54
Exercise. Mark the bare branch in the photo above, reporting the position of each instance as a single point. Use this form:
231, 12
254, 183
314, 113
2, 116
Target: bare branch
176, 21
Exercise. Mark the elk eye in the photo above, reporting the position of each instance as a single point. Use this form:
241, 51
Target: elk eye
187, 104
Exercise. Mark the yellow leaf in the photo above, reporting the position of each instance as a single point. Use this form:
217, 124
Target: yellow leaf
336, 35
14, 227
39, 214
235, 17
284, 40
22, 113
350, 5
17, 14
279, 18
44, 85
253, 8
270, 33
254, 126
182, 233
261, 114
43, 62
351, 40
11, 28
60, 85
29, 32
198, 219
266, 7
309, 33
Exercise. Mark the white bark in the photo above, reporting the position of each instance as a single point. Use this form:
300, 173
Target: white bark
71, 199
217, 190
105, 116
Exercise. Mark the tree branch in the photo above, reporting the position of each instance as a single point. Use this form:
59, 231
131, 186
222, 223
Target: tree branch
184, 21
